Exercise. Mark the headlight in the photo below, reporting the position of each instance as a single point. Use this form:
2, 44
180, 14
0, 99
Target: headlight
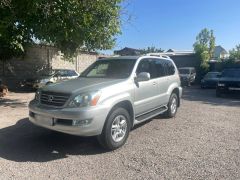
37, 96
85, 99
221, 84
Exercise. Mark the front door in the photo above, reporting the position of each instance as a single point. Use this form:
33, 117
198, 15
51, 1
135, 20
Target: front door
146, 92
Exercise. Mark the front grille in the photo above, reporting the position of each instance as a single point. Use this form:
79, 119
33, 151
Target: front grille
53, 98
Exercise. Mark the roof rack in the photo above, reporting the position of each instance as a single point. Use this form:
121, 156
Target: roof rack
161, 55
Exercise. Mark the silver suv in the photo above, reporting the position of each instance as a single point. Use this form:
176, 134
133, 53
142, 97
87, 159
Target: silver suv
109, 98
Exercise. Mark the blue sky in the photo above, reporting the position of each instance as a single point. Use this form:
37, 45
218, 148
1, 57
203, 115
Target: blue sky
175, 23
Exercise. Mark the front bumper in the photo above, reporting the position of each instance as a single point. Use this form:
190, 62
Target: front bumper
62, 119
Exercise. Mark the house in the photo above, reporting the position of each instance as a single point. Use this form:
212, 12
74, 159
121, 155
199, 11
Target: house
128, 52
220, 53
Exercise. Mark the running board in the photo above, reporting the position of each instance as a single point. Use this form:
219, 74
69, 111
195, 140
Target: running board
150, 114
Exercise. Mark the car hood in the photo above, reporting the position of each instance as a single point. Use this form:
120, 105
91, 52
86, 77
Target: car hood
81, 85
211, 79
229, 79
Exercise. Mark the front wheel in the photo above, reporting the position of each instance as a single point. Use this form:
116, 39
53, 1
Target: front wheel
116, 129
172, 106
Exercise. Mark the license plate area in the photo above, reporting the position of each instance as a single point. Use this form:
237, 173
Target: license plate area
43, 120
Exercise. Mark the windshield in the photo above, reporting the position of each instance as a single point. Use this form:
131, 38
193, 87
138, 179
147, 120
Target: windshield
116, 69
235, 73
184, 71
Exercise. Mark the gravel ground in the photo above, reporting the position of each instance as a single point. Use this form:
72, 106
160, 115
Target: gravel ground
202, 142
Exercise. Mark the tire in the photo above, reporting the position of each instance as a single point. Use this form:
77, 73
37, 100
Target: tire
172, 106
117, 124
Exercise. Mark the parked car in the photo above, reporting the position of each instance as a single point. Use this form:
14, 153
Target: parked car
56, 75
109, 98
187, 75
210, 80
229, 82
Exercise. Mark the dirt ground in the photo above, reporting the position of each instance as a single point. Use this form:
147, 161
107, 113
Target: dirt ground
202, 142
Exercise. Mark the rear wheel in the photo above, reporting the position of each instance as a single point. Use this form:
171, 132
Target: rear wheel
172, 106
116, 129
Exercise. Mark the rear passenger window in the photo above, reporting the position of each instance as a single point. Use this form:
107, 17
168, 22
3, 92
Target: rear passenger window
159, 65
170, 68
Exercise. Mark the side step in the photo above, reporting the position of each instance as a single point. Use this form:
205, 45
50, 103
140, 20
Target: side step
151, 114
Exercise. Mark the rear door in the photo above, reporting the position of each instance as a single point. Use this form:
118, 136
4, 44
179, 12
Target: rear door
161, 66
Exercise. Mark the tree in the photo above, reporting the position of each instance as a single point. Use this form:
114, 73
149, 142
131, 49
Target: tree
204, 48
151, 49
235, 53
66, 24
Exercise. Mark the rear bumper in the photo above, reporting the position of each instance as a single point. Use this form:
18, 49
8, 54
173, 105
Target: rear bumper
62, 120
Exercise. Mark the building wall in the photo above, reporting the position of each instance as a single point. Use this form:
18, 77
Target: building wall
186, 60
39, 60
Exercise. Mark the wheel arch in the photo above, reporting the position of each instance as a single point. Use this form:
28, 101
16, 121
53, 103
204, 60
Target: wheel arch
126, 104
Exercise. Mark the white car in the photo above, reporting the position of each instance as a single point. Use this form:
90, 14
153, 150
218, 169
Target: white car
57, 76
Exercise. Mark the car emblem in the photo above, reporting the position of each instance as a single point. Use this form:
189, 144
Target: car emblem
50, 98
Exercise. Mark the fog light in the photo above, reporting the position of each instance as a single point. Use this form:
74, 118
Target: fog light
81, 122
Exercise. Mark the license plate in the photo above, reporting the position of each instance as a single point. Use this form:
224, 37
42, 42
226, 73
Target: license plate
235, 89
43, 120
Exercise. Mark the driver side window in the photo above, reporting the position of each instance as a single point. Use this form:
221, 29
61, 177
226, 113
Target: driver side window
147, 65
143, 66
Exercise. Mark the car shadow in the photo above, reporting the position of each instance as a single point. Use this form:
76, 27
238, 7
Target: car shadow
24, 142
208, 96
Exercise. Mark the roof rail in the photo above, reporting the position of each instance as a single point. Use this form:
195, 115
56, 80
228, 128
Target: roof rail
161, 55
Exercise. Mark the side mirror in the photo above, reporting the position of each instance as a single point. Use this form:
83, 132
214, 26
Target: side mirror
143, 76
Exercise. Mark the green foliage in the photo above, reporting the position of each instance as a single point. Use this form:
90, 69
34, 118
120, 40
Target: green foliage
211, 44
204, 48
235, 53
66, 24
151, 49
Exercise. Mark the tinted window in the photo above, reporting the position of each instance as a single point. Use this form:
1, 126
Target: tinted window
235, 73
117, 68
72, 73
184, 71
62, 73
170, 68
160, 67
147, 65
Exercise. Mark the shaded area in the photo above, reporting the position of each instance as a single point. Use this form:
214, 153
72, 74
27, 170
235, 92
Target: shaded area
208, 96
24, 142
